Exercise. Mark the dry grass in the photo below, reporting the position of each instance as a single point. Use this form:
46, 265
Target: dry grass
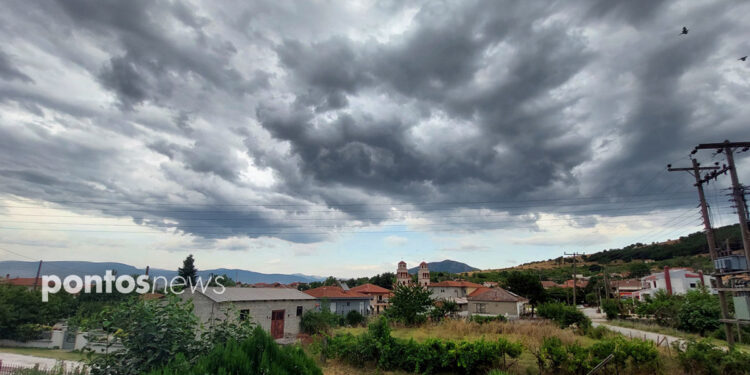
529, 332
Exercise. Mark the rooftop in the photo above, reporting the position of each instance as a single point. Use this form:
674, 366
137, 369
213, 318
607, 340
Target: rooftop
332, 292
254, 294
495, 295
370, 289
455, 284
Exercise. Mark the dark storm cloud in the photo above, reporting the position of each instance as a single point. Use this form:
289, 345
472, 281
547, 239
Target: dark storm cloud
287, 121
10, 72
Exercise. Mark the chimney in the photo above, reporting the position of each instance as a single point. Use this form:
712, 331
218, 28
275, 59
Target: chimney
700, 274
668, 280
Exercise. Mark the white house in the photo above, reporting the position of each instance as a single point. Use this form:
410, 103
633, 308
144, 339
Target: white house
674, 281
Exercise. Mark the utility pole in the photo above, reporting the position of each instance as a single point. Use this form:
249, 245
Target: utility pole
575, 278
737, 190
695, 170
38, 272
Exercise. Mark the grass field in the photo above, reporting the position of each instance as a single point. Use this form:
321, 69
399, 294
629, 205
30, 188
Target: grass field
46, 353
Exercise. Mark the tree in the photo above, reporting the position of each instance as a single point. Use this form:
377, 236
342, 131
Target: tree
639, 269
699, 312
409, 303
154, 332
384, 280
527, 285
188, 270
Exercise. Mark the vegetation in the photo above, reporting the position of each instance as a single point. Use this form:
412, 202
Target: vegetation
691, 244
152, 333
486, 319
23, 315
409, 304
630, 356
611, 308
378, 347
564, 315
188, 270
528, 285
701, 357
316, 322
255, 354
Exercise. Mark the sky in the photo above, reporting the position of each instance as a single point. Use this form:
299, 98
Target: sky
340, 137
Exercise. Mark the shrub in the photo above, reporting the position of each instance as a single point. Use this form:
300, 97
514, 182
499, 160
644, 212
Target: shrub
611, 309
564, 315
354, 318
257, 354
485, 319
434, 355
702, 357
30, 331
322, 321
637, 355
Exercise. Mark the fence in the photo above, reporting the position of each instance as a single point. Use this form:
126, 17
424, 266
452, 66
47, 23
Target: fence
58, 369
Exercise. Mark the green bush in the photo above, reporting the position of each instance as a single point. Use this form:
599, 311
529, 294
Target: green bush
637, 356
699, 312
314, 322
354, 318
30, 331
434, 355
257, 354
484, 319
564, 315
611, 308
702, 357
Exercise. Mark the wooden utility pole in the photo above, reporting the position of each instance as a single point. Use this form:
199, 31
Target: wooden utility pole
38, 272
575, 278
737, 191
695, 170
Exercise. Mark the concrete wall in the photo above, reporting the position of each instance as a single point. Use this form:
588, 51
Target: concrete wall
447, 292
512, 309
343, 306
54, 342
259, 311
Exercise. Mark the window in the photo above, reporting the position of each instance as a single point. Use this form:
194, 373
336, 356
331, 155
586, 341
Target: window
347, 303
244, 314
299, 310
481, 308
692, 285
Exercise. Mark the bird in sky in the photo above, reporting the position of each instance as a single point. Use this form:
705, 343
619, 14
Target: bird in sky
743, 58
684, 31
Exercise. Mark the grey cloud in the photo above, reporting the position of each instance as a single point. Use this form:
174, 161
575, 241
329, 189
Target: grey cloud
10, 72
472, 101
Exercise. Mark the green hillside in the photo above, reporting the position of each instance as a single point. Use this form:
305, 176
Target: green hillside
692, 244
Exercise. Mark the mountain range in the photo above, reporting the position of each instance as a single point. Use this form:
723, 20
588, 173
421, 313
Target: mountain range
64, 268
450, 266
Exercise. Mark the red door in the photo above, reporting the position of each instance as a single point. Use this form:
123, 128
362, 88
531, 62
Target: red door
277, 324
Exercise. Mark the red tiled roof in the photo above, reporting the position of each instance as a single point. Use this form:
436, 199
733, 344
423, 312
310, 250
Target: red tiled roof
549, 284
579, 283
370, 289
495, 295
456, 284
333, 292
23, 281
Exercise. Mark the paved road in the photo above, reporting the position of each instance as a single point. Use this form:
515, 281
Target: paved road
598, 319
20, 360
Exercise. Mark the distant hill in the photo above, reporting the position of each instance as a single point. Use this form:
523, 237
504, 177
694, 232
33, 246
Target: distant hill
64, 268
447, 265
692, 244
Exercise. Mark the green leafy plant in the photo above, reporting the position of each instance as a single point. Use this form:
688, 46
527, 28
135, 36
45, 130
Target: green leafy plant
409, 304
